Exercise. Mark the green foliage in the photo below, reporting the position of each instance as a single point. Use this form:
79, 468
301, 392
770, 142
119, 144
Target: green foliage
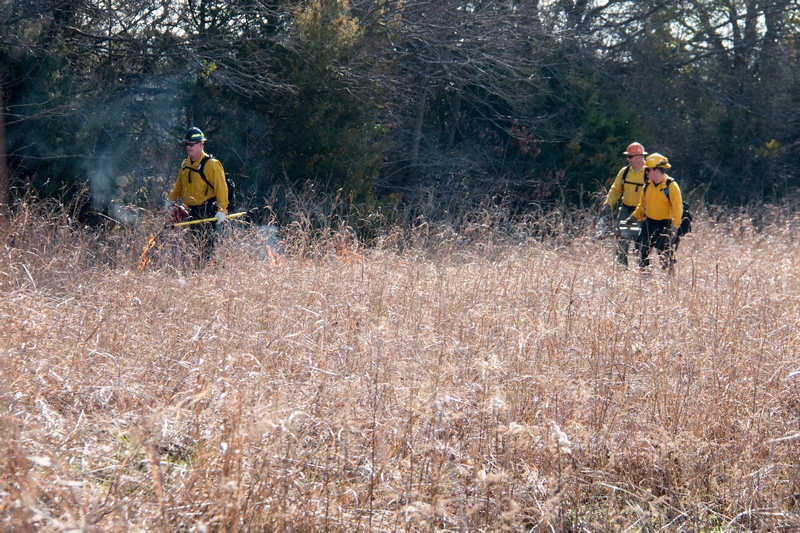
720, 89
394, 103
39, 132
587, 126
327, 131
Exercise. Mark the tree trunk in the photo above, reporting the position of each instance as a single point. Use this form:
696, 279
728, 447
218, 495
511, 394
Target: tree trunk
451, 137
5, 184
423, 97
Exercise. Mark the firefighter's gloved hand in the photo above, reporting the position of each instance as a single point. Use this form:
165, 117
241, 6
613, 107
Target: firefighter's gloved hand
631, 220
168, 204
673, 234
221, 216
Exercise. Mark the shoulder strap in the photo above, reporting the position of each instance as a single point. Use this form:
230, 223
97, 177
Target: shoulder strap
199, 170
670, 181
625, 175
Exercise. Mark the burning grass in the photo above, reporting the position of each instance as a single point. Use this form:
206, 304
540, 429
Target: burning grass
477, 380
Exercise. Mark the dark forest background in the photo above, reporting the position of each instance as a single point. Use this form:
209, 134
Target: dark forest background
396, 106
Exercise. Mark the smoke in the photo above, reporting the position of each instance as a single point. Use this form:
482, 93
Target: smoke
107, 188
124, 213
268, 235
263, 242
102, 184
124, 196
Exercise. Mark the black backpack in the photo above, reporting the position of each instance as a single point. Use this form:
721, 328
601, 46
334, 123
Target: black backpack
228, 181
686, 223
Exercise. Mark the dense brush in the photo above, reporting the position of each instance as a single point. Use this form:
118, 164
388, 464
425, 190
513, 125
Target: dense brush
478, 376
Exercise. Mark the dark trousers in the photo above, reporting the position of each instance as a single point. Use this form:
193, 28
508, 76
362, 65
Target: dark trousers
205, 234
656, 237
623, 244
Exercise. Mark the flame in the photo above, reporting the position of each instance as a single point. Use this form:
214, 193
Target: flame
145, 260
344, 255
275, 258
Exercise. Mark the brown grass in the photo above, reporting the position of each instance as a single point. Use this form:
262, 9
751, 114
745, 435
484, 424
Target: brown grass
478, 380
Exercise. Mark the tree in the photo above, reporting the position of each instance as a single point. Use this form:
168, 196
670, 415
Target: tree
457, 72
713, 79
326, 130
95, 84
27, 83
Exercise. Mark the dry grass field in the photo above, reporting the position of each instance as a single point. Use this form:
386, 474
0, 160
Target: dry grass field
479, 380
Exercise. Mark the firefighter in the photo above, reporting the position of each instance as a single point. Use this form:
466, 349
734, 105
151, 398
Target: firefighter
202, 187
659, 213
626, 188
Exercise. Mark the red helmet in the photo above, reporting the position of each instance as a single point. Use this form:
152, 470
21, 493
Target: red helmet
174, 214
635, 149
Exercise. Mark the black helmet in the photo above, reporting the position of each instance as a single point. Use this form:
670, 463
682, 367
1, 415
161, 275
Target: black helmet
194, 135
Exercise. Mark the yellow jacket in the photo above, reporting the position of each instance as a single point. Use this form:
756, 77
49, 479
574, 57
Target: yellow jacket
655, 205
634, 182
194, 191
